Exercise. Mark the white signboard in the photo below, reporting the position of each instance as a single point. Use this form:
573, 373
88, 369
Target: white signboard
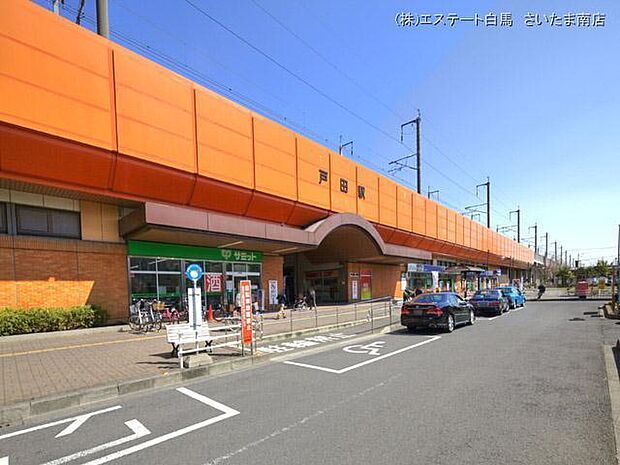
435, 275
354, 290
273, 292
195, 306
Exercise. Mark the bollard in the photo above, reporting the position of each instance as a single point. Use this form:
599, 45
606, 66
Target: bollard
372, 319
210, 313
291, 317
355, 310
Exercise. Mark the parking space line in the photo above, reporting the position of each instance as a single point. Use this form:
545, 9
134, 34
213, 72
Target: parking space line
73, 420
227, 412
366, 362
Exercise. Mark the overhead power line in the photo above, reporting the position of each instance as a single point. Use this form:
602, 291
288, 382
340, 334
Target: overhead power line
314, 88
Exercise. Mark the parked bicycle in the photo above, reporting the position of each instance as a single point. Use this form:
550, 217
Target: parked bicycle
143, 317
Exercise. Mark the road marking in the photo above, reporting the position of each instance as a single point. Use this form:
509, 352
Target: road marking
361, 364
73, 426
491, 319
59, 422
4, 461
369, 349
134, 425
227, 412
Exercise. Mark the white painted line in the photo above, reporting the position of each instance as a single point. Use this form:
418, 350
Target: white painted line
613, 384
4, 461
227, 413
361, 364
491, 319
134, 425
59, 422
315, 367
73, 426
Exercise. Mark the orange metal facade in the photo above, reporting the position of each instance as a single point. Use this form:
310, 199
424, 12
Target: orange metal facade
81, 112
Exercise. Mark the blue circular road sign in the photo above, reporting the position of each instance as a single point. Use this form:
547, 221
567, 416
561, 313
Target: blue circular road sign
193, 272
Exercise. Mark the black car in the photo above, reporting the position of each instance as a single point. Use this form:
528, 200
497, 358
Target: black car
489, 301
443, 310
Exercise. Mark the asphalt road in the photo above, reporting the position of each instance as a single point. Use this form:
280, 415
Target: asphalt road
525, 388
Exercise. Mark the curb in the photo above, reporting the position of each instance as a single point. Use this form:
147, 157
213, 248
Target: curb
18, 413
613, 383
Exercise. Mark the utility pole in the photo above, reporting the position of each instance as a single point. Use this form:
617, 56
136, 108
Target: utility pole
488, 186
518, 212
566, 258
429, 192
341, 146
418, 151
560, 255
555, 251
103, 25
535, 228
418, 157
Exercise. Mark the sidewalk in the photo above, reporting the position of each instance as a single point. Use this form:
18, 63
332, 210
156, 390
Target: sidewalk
35, 366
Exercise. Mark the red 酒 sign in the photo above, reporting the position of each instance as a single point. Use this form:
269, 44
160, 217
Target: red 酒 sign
245, 289
213, 282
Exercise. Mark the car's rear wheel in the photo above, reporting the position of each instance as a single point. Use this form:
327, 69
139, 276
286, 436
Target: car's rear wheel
472, 318
450, 324
411, 328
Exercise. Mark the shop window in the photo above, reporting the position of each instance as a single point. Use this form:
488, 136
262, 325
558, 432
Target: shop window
169, 286
143, 286
3, 223
213, 267
36, 221
254, 268
239, 268
168, 264
142, 264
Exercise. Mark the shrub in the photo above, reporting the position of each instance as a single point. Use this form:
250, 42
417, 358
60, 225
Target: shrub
38, 320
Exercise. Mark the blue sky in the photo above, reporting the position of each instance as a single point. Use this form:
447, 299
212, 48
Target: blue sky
535, 109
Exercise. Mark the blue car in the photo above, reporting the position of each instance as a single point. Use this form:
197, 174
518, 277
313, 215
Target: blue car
514, 296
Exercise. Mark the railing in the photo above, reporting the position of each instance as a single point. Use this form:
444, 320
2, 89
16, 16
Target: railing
375, 312
369, 315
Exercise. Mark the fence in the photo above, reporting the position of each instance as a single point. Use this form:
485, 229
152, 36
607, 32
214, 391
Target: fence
370, 315
376, 313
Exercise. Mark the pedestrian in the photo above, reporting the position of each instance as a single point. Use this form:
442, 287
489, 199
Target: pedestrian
418, 291
237, 304
541, 290
312, 298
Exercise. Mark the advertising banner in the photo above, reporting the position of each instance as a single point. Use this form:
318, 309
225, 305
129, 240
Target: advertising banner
366, 283
245, 289
273, 292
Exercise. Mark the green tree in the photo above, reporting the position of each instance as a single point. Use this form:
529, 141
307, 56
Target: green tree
600, 269
565, 275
